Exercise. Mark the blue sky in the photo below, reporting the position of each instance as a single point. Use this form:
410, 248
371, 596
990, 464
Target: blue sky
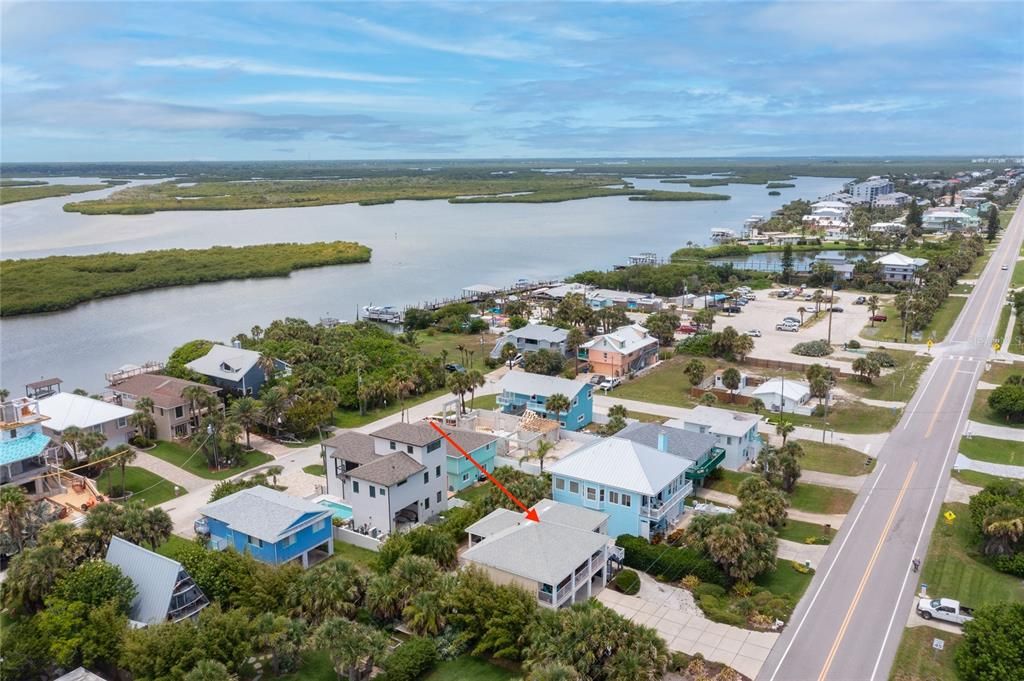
184, 81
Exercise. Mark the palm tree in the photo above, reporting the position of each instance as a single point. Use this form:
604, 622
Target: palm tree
273, 407
618, 410
334, 589
157, 526
695, 371
134, 523
873, 306
1003, 528
474, 380
731, 379
31, 576
209, 670
268, 365
557, 404
784, 428
742, 346
802, 310
708, 399
817, 298
385, 596
72, 435
757, 404
573, 340
543, 449
554, 671
425, 613
143, 422
14, 506
245, 412
508, 353
256, 332
195, 395
458, 384
123, 456
352, 647
4, 394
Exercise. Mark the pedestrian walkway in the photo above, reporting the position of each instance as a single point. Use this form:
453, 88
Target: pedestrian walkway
854, 483
998, 469
168, 471
730, 500
997, 432
802, 553
868, 443
672, 612
274, 449
958, 492
886, 404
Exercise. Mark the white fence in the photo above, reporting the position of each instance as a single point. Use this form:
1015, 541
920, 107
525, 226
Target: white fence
356, 539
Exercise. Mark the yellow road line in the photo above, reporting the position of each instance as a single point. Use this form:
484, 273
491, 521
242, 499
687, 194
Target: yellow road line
942, 402
867, 574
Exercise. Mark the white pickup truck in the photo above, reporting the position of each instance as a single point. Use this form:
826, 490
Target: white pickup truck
944, 609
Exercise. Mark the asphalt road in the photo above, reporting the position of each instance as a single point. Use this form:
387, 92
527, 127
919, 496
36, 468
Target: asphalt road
848, 625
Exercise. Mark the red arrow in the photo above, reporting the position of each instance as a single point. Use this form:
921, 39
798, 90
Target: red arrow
531, 514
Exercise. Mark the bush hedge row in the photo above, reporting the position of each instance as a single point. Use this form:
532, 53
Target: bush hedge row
670, 563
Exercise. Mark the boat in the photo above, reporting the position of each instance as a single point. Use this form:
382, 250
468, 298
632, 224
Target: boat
382, 313
721, 235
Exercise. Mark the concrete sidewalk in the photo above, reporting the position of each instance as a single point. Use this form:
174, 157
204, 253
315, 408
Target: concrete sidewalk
959, 492
854, 483
997, 432
791, 550
1002, 470
168, 471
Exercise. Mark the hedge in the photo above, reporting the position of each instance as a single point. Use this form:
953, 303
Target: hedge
628, 582
411, 660
670, 563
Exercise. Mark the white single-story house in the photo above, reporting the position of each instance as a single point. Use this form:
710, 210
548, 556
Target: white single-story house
66, 410
781, 395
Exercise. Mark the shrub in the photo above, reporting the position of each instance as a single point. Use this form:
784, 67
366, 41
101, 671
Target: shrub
818, 411
818, 348
713, 590
883, 359
699, 345
743, 589
690, 582
411, 660
140, 441
669, 562
853, 344
1012, 565
628, 582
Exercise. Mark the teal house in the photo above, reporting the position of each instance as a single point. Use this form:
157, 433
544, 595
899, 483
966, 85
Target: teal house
522, 391
461, 471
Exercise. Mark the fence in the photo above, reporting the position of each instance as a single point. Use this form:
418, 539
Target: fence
356, 539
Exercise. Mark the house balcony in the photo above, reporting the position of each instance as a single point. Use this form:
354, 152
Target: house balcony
704, 468
659, 509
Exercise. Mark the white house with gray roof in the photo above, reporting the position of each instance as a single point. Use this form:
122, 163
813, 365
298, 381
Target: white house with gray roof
392, 478
700, 448
735, 431
641, 488
531, 338
165, 592
563, 559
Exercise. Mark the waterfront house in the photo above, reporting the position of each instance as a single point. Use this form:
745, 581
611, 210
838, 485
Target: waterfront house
641, 488
482, 447
735, 431
272, 526
395, 477
564, 559
165, 592
235, 369
781, 395
24, 448
896, 267
522, 391
531, 338
171, 410
67, 410
700, 448
622, 352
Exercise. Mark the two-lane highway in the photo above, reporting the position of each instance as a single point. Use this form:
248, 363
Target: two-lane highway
848, 625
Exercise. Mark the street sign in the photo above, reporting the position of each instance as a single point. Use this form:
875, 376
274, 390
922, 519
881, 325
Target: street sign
949, 516
996, 346
938, 644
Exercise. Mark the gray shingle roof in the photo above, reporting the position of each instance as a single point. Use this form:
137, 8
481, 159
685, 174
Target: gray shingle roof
417, 434
154, 576
262, 512
80, 674
351, 446
684, 443
572, 516
494, 522
469, 440
388, 470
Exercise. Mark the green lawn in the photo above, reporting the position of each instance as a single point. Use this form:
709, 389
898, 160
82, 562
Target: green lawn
963, 288
917, 660
1004, 320
471, 494
470, 669
316, 469
982, 414
1018, 275
954, 566
432, 345
798, 531
664, 384
805, 497
852, 417
182, 457
355, 554
485, 402
1017, 341
992, 450
892, 329
1000, 371
785, 581
897, 386
350, 418
173, 546
976, 478
829, 458
154, 489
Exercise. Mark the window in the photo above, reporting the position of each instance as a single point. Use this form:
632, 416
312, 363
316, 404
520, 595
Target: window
392, 445
426, 477
562, 424
14, 433
574, 487
579, 419
728, 439
426, 503
434, 446
373, 492
339, 467
600, 495
318, 526
122, 422
439, 497
591, 494
437, 472
288, 541
355, 487
559, 483
179, 412
613, 497
408, 449
382, 491
465, 477
255, 541
626, 500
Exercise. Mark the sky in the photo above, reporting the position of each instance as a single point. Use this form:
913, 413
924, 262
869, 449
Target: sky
136, 81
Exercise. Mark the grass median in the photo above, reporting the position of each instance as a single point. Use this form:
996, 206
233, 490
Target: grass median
918, 660
1007, 452
805, 497
836, 459
196, 463
981, 413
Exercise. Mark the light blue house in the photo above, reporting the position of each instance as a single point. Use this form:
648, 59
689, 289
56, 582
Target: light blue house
234, 368
522, 391
269, 525
24, 448
642, 489
481, 446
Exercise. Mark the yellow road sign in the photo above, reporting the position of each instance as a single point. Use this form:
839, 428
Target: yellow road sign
949, 516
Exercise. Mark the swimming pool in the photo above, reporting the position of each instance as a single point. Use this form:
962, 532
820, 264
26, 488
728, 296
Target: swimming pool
341, 511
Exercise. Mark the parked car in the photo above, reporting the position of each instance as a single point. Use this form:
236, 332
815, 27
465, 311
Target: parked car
879, 318
787, 327
782, 294
687, 328
610, 383
455, 368
837, 308
860, 300
732, 309
808, 296
1004, 267
517, 360
750, 295
754, 333
597, 379
944, 609
792, 320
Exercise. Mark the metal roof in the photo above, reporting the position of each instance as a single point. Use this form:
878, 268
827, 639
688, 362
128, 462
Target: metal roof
80, 674
154, 576
67, 409
388, 470
623, 340
793, 390
226, 362
719, 421
684, 443
21, 448
45, 383
622, 464
525, 383
263, 512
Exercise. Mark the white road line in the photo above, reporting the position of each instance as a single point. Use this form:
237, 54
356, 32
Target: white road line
908, 414
835, 559
928, 519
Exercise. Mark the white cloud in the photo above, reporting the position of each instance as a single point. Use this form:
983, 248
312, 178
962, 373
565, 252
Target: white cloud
405, 103
204, 63
14, 78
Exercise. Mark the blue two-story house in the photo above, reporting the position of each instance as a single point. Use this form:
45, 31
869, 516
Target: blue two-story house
641, 488
461, 471
522, 391
234, 368
270, 526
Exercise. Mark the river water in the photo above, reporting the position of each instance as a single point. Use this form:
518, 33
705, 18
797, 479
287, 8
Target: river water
422, 250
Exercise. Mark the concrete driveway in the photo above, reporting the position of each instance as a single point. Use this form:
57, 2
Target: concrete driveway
672, 612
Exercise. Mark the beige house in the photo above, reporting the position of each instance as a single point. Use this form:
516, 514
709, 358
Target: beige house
564, 559
170, 409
